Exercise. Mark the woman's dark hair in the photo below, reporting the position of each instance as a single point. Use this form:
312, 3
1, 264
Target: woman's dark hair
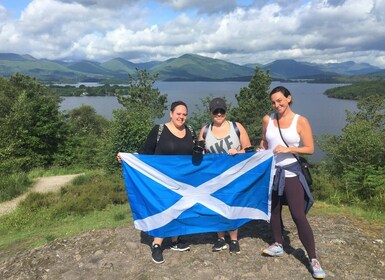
177, 103
284, 91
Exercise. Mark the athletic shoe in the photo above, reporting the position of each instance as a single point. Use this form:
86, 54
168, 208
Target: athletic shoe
179, 246
220, 245
157, 254
317, 270
274, 250
234, 247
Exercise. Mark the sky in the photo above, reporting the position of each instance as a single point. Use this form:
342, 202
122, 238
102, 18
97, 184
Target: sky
237, 31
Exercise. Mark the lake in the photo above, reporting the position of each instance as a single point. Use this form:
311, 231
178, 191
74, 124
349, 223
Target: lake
326, 115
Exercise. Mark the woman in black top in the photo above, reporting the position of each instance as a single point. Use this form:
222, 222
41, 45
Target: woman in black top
175, 137
171, 138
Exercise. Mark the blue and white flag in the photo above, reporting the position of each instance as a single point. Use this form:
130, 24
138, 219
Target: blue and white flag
171, 196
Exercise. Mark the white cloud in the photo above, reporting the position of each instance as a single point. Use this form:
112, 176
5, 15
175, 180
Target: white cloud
202, 6
138, 30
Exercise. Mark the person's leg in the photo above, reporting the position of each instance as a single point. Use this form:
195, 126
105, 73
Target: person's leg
156, 250
233, 234
234, 244
178, 245
276, 217
158, 240
295, 200
220, 244
276, 248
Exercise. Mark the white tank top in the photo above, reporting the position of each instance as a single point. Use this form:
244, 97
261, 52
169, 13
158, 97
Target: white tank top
291, 137
222, 145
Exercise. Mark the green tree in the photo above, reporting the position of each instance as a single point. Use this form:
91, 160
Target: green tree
357, 156
253, 104
84, 142
130, 126
31, 124
141, 94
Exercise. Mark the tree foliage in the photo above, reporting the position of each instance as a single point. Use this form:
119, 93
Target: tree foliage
31, 124
253, 105
141, 94
130, 126
358, 90
84, 141
357, 156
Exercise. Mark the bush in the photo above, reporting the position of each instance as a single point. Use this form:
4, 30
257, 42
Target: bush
13, 185
96, 194
89, 193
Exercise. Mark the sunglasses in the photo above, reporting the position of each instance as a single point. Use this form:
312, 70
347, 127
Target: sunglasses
219, 111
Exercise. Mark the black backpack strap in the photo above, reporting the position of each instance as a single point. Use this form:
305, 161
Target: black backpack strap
205, 131
161, 126
194, 136
236, 129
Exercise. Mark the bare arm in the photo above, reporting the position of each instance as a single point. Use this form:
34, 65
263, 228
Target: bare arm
265, 122
306, 134
243, 138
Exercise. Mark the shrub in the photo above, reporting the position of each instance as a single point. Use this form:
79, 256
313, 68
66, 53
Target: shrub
13, 185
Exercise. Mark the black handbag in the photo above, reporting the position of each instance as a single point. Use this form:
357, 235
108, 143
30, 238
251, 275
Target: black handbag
305, 166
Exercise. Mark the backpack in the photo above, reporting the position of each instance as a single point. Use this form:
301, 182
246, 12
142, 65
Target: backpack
161, 126
234, 125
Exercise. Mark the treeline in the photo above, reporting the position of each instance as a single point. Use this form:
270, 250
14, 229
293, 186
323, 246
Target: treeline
83, 90
358, 90
36, 134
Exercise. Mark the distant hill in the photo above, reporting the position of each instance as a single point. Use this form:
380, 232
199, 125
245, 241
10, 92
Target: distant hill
119, 65
188, 67
194, 67
291, 69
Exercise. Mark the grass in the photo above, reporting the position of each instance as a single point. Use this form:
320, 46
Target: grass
94, 200
14, 239
323, 208
54, 171
13, 185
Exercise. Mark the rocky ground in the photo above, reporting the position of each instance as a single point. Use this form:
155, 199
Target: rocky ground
347, 249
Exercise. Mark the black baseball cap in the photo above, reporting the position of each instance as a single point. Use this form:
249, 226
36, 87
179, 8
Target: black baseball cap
217, 103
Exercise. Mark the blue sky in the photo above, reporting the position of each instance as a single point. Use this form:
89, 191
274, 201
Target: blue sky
238, 31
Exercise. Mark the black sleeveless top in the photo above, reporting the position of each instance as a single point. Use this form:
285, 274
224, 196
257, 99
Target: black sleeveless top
168, 143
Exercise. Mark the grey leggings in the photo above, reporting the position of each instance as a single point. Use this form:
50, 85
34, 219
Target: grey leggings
294, 194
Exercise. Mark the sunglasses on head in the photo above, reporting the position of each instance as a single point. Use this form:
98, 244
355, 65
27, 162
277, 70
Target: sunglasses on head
219, 111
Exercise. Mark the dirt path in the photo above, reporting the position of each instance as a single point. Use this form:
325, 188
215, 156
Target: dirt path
43, 185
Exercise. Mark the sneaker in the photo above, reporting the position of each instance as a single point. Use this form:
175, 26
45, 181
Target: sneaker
179, 246
234, 247
317, 270
274, 250
156, 254
220, 245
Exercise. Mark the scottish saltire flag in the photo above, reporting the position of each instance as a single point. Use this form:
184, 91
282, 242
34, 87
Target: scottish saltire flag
172, 195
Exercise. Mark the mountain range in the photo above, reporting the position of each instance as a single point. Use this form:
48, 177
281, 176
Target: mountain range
188, 67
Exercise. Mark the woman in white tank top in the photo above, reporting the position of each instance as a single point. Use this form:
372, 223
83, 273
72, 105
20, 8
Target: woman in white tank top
294, 129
